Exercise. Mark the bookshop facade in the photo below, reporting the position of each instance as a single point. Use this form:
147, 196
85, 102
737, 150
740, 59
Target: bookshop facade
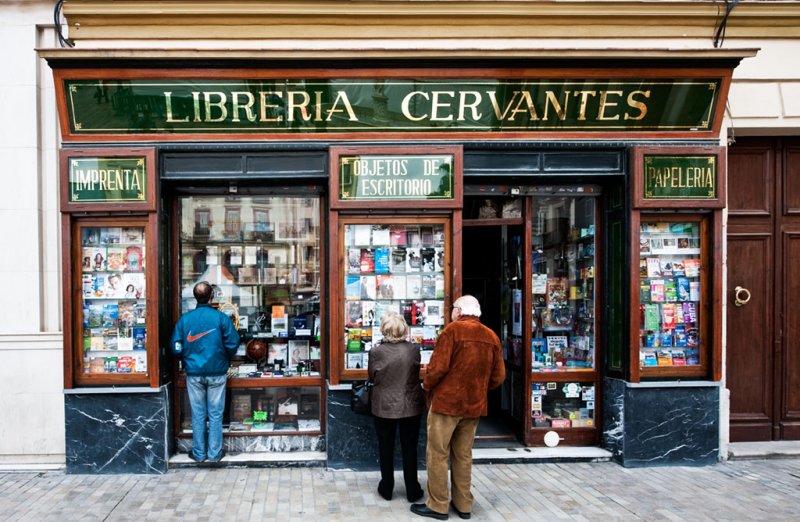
582, 205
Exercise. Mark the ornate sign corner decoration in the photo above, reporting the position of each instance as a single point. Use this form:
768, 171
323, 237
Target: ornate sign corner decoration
424, 177
107, 180
680, 177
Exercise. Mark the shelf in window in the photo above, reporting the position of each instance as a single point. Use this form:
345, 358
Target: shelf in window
491, 222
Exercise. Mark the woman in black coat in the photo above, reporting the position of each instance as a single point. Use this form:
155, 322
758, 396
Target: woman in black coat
397, 402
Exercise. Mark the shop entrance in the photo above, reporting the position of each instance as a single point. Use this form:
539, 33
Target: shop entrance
490, 275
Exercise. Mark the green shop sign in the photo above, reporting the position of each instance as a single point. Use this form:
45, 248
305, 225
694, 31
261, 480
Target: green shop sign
107, 180
203, 106
381, 177
680, 177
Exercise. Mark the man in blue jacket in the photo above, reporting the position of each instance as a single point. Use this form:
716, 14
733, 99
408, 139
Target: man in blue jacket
205, 340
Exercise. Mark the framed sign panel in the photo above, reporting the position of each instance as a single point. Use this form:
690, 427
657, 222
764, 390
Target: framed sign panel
108, 179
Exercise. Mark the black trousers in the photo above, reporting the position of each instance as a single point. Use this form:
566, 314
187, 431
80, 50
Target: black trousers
409, 438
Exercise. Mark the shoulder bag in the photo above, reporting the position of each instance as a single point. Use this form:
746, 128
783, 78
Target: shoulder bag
360, 396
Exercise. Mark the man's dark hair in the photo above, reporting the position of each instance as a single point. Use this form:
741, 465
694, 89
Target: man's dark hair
202, 292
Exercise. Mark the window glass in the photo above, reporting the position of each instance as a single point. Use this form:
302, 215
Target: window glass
562, 405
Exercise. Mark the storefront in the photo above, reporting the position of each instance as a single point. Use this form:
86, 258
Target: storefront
581, 204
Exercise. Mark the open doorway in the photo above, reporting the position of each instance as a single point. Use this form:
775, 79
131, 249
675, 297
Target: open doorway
490, 274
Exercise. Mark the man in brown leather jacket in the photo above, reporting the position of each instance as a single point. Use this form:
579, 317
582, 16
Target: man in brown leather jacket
466, 364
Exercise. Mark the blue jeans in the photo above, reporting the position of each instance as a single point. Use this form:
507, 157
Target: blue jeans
207, 399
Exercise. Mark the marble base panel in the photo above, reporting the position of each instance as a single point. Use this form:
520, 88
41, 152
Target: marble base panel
352, 443
264, 443
117, 432
659, 424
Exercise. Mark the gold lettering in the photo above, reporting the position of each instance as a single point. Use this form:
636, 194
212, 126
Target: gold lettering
303, 105
170, 117
496, 106
436, 105
463, 105
551, 99
709, 178
223, 111
405, 106
341, 96
267, 108
196, 103
525, 97
605, 103
584, 95
248, 107
636, 104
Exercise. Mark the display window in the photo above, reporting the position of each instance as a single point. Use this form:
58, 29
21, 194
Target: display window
261, 255
391, 266
563, 290
264, 410
562, 405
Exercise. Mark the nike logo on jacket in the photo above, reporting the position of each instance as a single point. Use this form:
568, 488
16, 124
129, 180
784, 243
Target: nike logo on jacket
192, 338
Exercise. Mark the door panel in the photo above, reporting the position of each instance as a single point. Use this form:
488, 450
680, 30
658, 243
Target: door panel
749, 360
750, 180
790, 325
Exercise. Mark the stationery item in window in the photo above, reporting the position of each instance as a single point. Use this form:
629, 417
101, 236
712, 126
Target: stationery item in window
438, 281
382, 260
643, 267
369, 287
691, 267
352, 287
279, 320
664, 358
682, 285
428, 259
287, 402
426, 235
126, 364
413, 259
413, 286
398, 260
367, 260
354, 340
110, 235
139, 338
670, 291
689, 313
397, 235
557, 346
678, 270
367, 313
115, 260
277, 352
644, 293
679, 314
429, 286
538, 352
657, 290
386, 288
678, 358
434, 313
644, 245
353, 313
125, 341
354, 260
439, 259
666, 269
539, 283
353, 361
298, 351
361, 235
557, 292
680, 335
416, 335
668, 315
694, 291
692, 357
649, 359
651, 319
413, 236
133, 285
399, 285
132, 235
380, 235
666, 338
653, 267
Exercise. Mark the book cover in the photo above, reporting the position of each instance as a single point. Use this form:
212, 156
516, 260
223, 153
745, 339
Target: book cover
657, 290
126, 364
668, 315
651, 321
367, 313
279, 321
539, 284
287, 400
397, 235
438, 281
110, 235
557, 344
352, 287
87, 285
691, 267
386, 288
666, 338
116, 258
110, 315
679, 314
670, 291
556, 292
412, 236
133, 285
353, 313
664, 358
413, 286
125, 313
139, 338
367, 260
125, 340
354, 260
298, 351
694, 291
429, 286
413, 259
369, 287
382, 260
416, 334
426, 235
653, 267
361, 235
666, 269
538, 351
417, 314
428, 259
398, 260
353, 361
678, 358
689, 313
678, 270
649, 359
278, 352
680, 335
434, 313
439, 259
383, 308
381, 235
682, 286
97, 256
644, 293
399, 285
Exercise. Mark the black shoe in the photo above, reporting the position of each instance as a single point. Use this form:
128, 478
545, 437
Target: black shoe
221, 456
462, 514
191, 456
424, 511
416, 496
386, 495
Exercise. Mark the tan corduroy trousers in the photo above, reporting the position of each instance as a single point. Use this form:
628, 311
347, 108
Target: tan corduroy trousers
452, 437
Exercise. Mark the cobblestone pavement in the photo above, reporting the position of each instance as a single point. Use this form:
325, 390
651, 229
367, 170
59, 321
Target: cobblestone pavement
737, 490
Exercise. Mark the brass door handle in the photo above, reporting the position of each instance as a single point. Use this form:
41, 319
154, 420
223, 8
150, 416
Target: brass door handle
741, 296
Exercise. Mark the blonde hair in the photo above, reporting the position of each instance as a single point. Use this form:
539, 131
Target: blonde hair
394, 328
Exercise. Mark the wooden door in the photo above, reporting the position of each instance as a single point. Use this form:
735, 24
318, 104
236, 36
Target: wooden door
763, 348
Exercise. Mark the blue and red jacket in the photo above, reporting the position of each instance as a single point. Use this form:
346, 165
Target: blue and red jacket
205, 340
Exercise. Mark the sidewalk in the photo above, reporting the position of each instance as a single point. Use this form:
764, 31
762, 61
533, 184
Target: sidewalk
735, 490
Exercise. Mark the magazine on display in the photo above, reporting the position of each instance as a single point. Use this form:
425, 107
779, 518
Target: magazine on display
399, 260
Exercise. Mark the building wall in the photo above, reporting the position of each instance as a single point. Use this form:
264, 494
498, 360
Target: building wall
31, 375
